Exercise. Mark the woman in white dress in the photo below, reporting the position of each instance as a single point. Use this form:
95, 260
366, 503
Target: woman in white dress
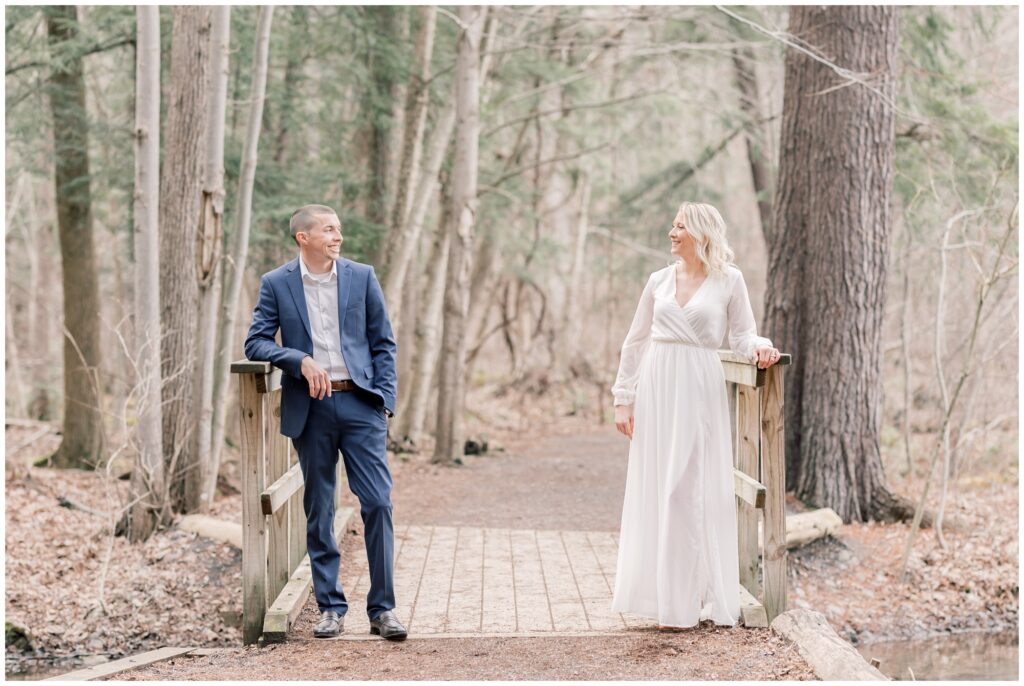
678, 560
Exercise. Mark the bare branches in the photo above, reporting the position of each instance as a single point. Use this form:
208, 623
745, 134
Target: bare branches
638, 248
570, 108
950, 401
550, 160
849, 76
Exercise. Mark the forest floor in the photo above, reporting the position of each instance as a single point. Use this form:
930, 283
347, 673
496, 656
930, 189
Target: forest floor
75, 591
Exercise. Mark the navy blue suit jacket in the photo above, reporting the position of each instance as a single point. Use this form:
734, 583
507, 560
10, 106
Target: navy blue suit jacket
367, 342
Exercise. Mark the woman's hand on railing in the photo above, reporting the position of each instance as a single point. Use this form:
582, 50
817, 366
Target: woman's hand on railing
766, 356
624, 420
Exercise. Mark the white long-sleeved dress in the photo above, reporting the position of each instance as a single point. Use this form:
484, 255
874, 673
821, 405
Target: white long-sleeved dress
678, 560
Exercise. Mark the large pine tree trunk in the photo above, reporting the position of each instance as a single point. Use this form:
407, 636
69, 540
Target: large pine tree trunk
451, 389
82, 440
827, 265
181, 186
240, 250
149, 487
211, 238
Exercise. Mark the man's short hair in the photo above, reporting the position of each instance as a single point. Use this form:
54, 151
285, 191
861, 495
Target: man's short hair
305, 218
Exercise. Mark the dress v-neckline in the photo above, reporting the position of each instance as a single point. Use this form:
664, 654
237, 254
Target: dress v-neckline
675, 289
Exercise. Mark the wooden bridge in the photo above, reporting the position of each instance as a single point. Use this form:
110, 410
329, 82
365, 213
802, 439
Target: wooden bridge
452, 581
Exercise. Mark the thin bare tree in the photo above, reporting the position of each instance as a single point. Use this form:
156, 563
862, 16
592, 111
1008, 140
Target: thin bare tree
235, 267
398, 247
211, 238
148, 487
415, 401
462, 217
950, 397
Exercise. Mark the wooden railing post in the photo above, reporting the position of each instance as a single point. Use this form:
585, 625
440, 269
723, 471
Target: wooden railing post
296, 519
773, 463
276, 576
278, 570
747, 449
756, 417
254, 555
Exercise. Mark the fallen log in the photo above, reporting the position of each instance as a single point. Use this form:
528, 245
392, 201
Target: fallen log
831, 658
211, 527
805, 527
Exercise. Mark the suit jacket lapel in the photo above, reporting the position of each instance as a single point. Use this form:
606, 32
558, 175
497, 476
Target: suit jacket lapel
299, 295
344, 281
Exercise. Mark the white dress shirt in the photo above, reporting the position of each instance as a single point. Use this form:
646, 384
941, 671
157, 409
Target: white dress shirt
321, 292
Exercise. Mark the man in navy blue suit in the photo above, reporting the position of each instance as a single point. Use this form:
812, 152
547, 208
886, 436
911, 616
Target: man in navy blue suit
338, 387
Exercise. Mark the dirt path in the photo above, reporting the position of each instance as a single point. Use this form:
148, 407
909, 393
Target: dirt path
557, 482
547, 483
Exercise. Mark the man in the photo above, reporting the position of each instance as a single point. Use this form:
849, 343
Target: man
337, 353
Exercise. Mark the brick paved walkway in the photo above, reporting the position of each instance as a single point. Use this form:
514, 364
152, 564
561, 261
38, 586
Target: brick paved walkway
489, 581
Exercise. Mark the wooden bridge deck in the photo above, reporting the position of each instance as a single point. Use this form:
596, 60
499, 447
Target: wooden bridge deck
469, 580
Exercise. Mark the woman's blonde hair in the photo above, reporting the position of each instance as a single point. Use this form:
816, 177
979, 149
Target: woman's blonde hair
707, 227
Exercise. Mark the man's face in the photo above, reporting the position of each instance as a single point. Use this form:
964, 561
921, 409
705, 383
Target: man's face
324, 239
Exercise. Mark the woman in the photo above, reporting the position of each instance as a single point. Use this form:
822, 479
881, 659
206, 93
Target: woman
678, 543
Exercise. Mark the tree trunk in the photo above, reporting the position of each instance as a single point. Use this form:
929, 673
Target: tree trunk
398, 247
572, 315
235, 271
827, 266
383, 127
82, 441
427, 334
15, 365
426, 191
211, 238
448, 448
482, 284
181, 186
744, 64
149, 486
297, 37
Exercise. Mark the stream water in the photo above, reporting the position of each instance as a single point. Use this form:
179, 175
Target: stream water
976, 656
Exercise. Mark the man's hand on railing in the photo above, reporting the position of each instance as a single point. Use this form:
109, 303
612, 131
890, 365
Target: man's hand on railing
317, 377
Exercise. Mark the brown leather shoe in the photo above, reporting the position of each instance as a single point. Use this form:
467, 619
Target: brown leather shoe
331, 624
388, 626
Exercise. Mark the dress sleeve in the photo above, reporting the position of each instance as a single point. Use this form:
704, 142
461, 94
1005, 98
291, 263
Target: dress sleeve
743, 338
633, 348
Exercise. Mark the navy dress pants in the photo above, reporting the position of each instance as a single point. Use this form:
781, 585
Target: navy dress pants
355, 424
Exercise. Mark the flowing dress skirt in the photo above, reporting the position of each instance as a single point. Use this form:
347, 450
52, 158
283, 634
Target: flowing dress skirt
678, 560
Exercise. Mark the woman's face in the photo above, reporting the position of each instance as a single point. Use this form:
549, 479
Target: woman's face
681, 239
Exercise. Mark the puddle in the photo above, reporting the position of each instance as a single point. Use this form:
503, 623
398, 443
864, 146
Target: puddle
36, 674
976, 656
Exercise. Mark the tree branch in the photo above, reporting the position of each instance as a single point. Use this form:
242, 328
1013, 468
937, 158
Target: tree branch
551, 160
99, 47
582, 106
